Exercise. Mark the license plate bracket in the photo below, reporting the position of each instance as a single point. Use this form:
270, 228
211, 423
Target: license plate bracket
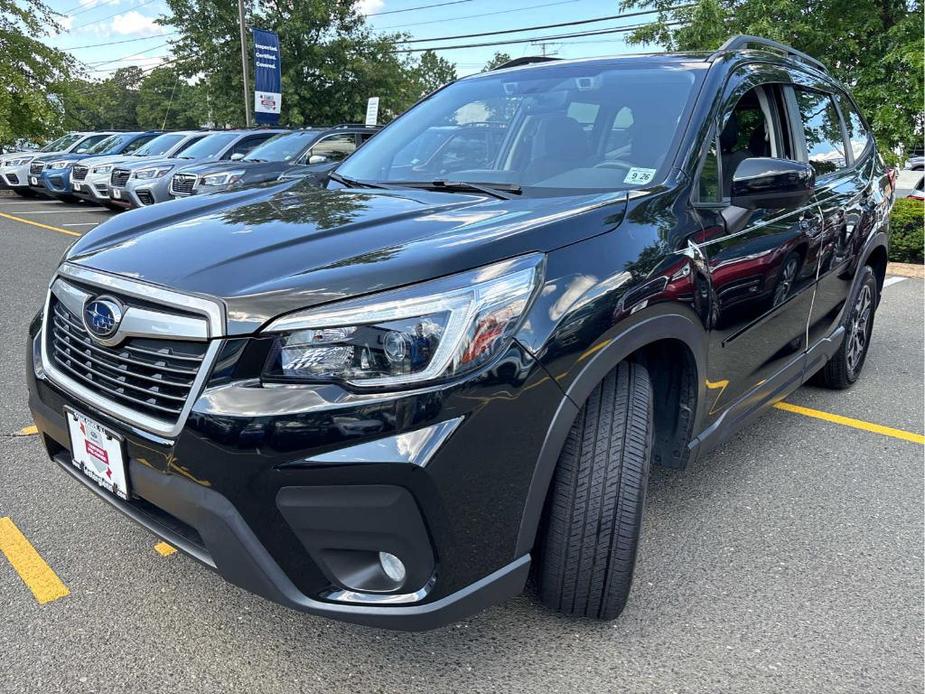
98, 453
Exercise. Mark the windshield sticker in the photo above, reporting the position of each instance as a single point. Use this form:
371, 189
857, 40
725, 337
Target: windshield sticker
638, 177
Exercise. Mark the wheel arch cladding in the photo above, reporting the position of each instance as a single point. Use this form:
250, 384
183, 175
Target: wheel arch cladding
649, 340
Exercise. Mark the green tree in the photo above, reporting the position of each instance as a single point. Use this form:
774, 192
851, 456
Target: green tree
331, 61
433, 72
496, 60
103, 104
875, 47
166, 99
33, 75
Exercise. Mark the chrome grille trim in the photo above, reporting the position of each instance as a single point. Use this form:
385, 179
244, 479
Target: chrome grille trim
36, 168
182, 184
119, 177
101, 395
79, 172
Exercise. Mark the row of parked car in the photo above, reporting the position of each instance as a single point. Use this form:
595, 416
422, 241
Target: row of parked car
134, 169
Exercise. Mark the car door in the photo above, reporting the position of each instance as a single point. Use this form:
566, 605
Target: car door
840, 149
759, 263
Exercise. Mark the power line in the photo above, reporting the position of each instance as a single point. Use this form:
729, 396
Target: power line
419, 7
129, 56
477, 16
116, 43
110, 16
550, 26
595, 32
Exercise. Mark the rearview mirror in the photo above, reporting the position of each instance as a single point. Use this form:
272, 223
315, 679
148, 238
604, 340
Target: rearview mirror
764, 182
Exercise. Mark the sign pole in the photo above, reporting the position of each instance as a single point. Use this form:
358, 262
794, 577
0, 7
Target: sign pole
247, 104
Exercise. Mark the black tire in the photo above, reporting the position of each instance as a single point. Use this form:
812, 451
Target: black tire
594, 509
842, 370
25, 192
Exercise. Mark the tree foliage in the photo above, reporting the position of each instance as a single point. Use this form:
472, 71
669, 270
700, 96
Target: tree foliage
875, 47
104, 104
496, 60
433, 72
33, 75
331, 61
167, 100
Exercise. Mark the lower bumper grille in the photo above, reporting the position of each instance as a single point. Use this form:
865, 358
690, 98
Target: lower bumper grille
13, 179
145, 197
152, 376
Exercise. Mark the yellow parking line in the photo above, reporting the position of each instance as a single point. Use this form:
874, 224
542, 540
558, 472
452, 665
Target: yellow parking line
32, 569
855, 423
38, 224
28, 431
164, 549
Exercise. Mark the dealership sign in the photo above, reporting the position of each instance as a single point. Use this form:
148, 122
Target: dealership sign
267, 76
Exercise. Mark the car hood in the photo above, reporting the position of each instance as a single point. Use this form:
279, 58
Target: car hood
110, 159
279, 247
250, 167
59, 156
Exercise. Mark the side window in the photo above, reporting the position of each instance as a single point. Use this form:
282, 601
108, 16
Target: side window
584, 113
335, 147
138, 142
188, 143
822, 130
858, 136
618, 139
747, 132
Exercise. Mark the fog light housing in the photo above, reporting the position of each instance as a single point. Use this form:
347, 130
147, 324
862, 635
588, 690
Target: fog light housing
393, 567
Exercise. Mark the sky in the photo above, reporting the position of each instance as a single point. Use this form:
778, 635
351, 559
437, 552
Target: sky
143, 43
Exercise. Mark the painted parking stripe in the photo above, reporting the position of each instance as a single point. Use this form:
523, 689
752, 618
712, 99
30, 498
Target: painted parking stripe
28, 431
164, 549
854, 423
890, 281
81, 224
28, 563
61, 211
39, 224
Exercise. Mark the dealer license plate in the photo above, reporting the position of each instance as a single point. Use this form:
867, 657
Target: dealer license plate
33, 181
116, 193
77, 186
97, 452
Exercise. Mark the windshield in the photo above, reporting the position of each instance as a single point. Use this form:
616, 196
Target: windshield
61, 143
282, 147
569, 129
111, 143
210, 147
159, 145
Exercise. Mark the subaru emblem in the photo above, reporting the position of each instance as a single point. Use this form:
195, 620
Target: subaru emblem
102, 316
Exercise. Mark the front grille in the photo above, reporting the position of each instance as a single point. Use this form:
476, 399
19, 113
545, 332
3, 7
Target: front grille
182, 184
119, 177
145, 197
151, 376
80, 172
36, 168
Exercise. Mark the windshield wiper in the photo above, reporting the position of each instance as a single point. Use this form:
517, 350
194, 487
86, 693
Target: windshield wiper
256, 161
502, 191
353, 183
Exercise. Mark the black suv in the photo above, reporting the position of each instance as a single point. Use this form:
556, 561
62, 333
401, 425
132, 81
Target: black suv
388, 400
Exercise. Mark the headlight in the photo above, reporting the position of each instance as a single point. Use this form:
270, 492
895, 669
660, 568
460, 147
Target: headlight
105, 168
59, 165
153, 172
19, 162
434, 330
221, 179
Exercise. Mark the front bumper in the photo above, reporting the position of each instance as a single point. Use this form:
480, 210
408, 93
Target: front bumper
93, 188
15, 176
144, 192
240, 492
56, 183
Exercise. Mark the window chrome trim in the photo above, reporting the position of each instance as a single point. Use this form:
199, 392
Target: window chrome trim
130, 287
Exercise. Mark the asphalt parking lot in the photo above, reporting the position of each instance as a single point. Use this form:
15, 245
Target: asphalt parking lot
789, 560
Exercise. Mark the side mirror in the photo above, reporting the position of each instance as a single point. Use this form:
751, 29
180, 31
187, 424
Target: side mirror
237, 156
317, 159
763, 182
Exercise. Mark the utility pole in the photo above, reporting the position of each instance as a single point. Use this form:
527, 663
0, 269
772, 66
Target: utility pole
247, 96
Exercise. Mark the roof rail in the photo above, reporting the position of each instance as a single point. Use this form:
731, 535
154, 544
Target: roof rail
526, 60
350, 125
745, 41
